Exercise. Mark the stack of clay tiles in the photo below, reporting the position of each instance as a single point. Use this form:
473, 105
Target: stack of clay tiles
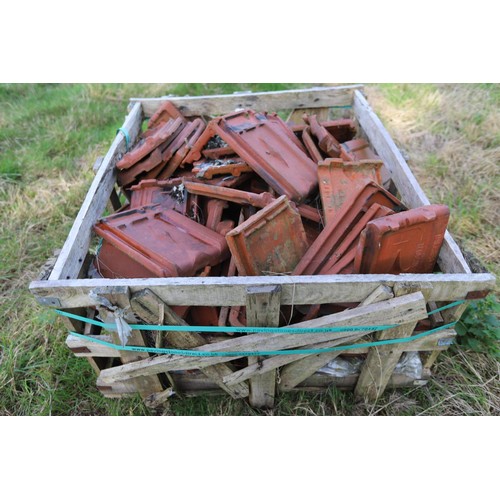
247, 194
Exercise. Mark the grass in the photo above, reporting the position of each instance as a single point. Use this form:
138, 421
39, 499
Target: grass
50, 136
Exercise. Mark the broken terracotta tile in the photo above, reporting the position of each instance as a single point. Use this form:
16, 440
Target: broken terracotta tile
214, 212
343, 129
217, 153
310, 145
320, 253
326, 141
160, 136
228, 194
180, 150
207, 169
268, 146
349, 243
271, 241
152, 192
174, 152
357, 149
338, 179
407, 242
167, 111
148, 242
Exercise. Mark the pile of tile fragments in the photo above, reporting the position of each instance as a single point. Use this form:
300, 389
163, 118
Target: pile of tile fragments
247, 194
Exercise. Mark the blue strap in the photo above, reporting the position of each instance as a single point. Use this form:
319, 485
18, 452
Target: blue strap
124, 131
184, 352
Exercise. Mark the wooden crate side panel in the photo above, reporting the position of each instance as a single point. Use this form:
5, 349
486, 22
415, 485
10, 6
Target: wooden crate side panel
75, 248
318, 97
215, 291
396, 311
450, 258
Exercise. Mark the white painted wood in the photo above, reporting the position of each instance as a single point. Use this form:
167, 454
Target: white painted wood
211, 105
395, 311
450, 258
215, 291
75, 248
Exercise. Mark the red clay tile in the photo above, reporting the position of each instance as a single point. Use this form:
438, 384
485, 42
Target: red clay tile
407, 242
357, 149
326, 141
321, 252
167, 111
174, 152
268, 146
271, 241
152, 192
217, 153
160, 136
338, 179
349, 243
150, 242
310, 145
214, 213
181, 148
234, 195
343, 129
207, 169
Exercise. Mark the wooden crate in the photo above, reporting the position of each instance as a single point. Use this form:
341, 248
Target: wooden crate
400, 300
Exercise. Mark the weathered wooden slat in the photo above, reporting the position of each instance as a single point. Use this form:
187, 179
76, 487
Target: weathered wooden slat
302, 368
211, 105
296, 115
144, 385
394, 311
83, 348
75, 248
214, 291
147, 306
272, 363
195, 384
263, 309
450, 258
380, 363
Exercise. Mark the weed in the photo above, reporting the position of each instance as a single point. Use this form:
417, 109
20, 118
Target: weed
479, 326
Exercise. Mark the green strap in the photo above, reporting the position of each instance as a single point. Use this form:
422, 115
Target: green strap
184, 352
124, 131
228, 329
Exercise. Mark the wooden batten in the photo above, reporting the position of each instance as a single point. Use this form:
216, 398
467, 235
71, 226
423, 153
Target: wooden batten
320, 97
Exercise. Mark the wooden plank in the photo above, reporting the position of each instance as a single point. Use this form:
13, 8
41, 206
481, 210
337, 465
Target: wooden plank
147, 306
218, 291
83, 348
302, 368
450, 258
394, 311
296, 115
120, 298
380, 363
77, 243
381, 360
195, 384
263, 309
272, 363
211, 105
